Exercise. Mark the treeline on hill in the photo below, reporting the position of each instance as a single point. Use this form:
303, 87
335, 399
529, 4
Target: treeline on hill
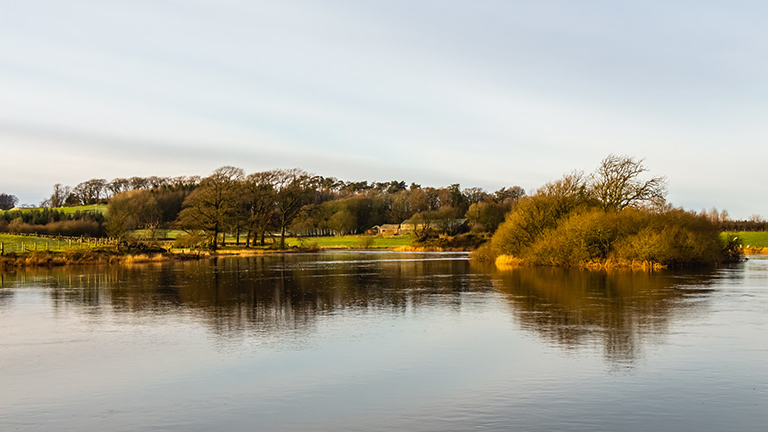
167, 192
261, 205
611, 215
609, 218
276, 202
99, 191
7, 201
52, 222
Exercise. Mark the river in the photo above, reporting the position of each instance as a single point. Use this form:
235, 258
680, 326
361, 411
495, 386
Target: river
382, 341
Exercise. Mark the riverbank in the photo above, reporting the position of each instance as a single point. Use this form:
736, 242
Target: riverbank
509, 261
165, 252
107, 256
754, 250
91, 253
78, 257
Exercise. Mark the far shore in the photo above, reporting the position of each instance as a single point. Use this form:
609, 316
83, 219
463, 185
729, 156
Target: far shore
109, 256
19, 261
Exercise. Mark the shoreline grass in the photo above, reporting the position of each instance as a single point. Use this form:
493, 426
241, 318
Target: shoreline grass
42, 251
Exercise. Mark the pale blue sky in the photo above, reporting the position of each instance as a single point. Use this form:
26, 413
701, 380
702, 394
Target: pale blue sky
482, 93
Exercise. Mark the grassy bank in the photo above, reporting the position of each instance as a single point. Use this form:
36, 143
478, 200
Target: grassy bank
749, 238
77, 257
352, 242
752, 242
12, 243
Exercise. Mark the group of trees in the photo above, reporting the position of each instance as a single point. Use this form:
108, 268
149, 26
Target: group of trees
7, 201
154, 201
273, 202
726, 223
147, 204
278, 200
262, 204
613, 214
52, 222
99, 191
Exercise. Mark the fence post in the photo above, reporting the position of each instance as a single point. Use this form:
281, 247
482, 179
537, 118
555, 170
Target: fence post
22, 246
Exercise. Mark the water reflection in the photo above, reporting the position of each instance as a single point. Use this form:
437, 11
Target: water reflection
276, 298
618, 311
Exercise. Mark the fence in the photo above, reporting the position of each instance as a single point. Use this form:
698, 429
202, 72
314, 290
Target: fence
31, 243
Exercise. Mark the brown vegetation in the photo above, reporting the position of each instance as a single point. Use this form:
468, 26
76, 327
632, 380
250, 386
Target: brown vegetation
589, 222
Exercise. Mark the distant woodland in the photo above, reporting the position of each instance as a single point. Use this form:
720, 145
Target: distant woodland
616, 212
262, 205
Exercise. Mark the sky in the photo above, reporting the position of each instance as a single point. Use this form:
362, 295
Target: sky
481, 93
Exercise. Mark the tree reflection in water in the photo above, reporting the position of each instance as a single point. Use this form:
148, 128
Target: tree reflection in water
274, 298
617, 311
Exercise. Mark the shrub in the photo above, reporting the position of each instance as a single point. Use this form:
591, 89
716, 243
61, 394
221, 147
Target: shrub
675, 238
191, 240
587, 236
366, 242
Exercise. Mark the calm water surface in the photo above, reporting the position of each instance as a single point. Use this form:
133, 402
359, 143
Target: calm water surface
382, 341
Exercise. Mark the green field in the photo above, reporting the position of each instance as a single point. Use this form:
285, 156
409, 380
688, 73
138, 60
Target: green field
97, 208
20, 243
750, 238
352, 241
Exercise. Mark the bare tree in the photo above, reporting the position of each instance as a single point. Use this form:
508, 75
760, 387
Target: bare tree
90, 191
209, 207
294, 188
258, 204
7, 201
506, 194
118, 185
616, 184
138, 183
59, 195
474, 195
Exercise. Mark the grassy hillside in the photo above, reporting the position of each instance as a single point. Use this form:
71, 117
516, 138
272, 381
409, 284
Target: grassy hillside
750, 239
98, 208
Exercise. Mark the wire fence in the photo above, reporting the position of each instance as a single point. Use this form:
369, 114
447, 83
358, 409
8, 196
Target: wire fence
20, 243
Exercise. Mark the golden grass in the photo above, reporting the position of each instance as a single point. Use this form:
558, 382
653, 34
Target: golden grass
623, 264
419, 249
143, 258
751, 250
510, 261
